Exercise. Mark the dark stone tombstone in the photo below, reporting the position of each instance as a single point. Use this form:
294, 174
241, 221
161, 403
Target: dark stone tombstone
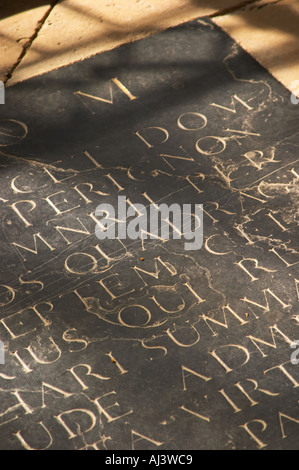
143, 344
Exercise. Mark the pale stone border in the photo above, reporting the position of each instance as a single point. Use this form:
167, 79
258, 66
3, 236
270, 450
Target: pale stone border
269, 31
77, 29
15, 32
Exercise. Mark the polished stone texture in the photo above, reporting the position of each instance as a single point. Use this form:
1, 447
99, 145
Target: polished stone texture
141, 344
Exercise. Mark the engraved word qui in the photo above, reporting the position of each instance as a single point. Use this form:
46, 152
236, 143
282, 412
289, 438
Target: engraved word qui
154, 222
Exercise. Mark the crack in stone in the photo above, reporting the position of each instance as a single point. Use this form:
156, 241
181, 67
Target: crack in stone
30, 40
263, 4
252, 4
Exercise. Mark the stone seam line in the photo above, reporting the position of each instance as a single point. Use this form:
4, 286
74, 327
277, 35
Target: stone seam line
28, 43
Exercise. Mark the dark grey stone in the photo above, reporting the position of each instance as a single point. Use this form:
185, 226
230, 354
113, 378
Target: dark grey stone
158, 347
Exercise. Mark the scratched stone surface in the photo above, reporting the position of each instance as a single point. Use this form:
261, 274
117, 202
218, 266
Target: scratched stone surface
141, 344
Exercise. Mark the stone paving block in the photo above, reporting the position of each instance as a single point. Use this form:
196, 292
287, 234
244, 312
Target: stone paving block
16, 27
270, 32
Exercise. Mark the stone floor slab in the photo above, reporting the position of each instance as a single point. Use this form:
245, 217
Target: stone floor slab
141, 343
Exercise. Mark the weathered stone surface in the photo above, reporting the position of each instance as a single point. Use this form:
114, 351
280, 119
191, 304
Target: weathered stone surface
141, 344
